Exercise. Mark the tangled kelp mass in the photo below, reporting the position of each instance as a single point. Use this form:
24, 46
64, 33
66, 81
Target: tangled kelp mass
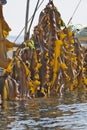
52, 61
59, 53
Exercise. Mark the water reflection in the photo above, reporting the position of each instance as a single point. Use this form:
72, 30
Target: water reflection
68, 112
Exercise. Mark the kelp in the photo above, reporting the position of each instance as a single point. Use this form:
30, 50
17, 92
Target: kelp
5, 45
59, 52
52, 61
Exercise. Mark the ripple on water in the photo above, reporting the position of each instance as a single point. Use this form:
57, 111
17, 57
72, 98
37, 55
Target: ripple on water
45, 114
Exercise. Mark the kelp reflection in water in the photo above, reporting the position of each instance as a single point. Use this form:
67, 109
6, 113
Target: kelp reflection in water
68, 112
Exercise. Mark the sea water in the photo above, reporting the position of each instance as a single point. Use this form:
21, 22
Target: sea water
66, 112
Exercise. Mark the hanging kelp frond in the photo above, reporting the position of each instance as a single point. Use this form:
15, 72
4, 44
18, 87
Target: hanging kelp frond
56, 51
52, 61
5, 44
3, 24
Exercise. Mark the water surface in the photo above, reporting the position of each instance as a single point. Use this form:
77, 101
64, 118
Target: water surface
67, 112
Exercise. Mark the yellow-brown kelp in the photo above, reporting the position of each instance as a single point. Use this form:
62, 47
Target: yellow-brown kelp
5, 44
60, 54
55, 61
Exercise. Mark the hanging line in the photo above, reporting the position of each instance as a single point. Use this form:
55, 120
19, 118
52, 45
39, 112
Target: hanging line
28, 33
74, 11
26, 18
28, 22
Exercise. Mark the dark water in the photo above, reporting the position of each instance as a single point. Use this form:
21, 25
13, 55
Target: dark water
68, 112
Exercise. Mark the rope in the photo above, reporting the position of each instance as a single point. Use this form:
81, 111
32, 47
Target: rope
28, 22
26, 19
74, 11
33, 18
